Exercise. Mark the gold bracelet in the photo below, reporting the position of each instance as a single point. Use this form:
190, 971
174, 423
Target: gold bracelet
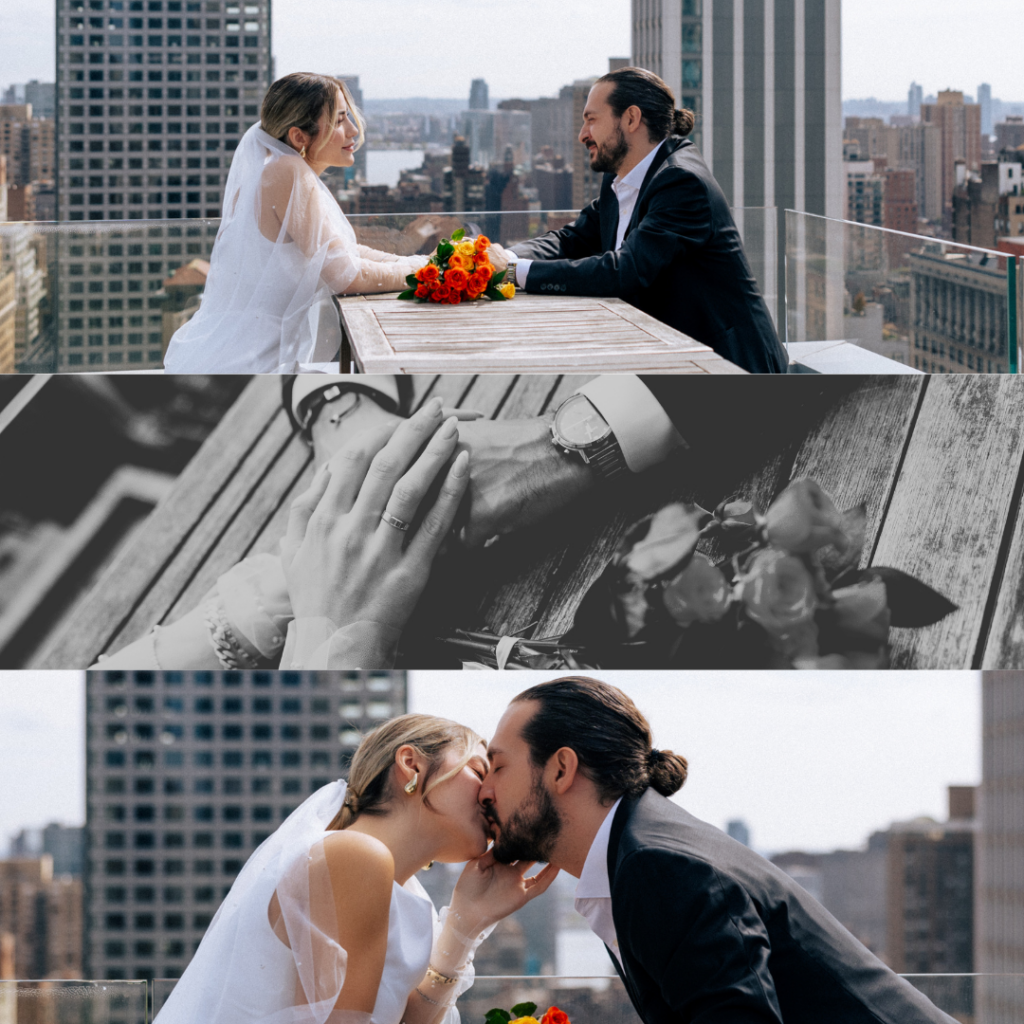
438, 978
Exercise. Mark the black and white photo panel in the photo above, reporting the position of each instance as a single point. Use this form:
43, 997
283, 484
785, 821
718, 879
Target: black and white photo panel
492, 521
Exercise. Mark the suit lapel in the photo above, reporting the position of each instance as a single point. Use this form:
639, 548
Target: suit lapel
668, 147
609, 214
622, 815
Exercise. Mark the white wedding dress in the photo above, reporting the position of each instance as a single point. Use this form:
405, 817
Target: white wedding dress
243, 973
268, 304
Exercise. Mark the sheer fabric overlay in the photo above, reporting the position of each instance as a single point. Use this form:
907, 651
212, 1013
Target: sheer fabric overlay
283, 250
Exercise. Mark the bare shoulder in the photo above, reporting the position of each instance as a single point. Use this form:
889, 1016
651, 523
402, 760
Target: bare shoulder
360, 861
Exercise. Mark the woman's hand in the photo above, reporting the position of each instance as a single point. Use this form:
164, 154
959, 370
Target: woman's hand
498, 256
341, 560
488, 891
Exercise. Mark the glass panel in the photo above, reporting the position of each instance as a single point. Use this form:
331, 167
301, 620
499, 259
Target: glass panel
74, 1002
107, 296
927, 303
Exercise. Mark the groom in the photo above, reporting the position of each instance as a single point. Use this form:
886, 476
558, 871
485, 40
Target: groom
661, 235
699, 927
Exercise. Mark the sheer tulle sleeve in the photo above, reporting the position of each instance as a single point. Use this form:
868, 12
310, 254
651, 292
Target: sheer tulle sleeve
313, 221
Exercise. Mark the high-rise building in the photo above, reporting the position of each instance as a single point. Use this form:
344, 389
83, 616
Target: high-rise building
999, 925
27, 140
8, 287
739, 831
479, 97
985, 102
18, 255
764, 83
187, 773
358, 169
41, 96
960, 127
915, 97
551, 124
490, 133
1010, 133
586, 184
931, 891
153, 98
44, 914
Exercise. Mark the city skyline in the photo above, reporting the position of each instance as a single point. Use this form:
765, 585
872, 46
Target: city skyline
928, 738
577, 43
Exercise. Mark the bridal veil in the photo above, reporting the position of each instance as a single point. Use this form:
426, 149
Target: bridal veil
267, 306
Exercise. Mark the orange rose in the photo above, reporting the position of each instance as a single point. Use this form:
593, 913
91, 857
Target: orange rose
555, 1016
430, 272
422, 291
457, 262
457, 279
442, 292
485, 271
455, 298
434, 297
483, 243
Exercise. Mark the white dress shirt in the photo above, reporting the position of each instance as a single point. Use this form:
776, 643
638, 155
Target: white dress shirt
627, 191
594, 891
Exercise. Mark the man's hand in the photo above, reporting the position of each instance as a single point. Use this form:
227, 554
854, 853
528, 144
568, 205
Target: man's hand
517, 477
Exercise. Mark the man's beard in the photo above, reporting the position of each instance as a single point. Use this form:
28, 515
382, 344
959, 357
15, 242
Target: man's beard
608, 157
530, 832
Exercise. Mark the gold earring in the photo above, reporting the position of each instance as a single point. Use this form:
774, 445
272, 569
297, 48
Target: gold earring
410, 786
302, 152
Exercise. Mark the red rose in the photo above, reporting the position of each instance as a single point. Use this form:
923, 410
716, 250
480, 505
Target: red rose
457, 279
555, 1016
430, 272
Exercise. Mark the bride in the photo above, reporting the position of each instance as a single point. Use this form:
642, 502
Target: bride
284, 247
327, 923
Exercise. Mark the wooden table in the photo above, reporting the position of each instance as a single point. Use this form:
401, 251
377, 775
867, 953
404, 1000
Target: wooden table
939, 462
530, 334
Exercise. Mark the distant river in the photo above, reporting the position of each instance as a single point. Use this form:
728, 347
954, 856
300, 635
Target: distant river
383, 166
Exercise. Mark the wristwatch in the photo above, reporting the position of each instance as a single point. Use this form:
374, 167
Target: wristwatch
579, 429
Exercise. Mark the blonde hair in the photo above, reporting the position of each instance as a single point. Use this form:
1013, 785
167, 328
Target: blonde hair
302, 100
369, 777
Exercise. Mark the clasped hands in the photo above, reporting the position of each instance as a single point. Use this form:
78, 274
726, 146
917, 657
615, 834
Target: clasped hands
345, 563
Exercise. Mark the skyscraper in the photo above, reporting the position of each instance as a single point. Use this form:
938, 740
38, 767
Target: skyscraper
153, 96
763, 78
985, 102
1000, 876
915, 97
187, 773
960, 125
479, 98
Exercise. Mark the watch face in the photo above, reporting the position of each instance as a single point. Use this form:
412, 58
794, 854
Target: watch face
579, 424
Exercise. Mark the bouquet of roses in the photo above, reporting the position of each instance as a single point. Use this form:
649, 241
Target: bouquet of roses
523, 1013
783, 592
459, 269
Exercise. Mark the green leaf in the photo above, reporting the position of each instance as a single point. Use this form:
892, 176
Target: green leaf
409, 293
524, 1010
494, 295
444, 250
458, 236
499, 277
497, 1017
411, 280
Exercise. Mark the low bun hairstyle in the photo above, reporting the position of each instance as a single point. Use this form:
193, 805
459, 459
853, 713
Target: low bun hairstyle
610, 736
637, 87
302, 100
369, 778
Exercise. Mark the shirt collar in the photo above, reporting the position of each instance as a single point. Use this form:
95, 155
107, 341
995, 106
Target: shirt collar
594, 882
635, 178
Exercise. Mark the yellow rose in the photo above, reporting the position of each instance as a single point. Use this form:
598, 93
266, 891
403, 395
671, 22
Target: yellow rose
508, 289
524, 1020
465, 249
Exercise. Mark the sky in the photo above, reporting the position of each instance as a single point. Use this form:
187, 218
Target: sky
403, 48
812, 762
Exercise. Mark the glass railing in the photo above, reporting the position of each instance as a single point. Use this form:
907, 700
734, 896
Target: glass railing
927, 303
602, 999
106, 296
73, 1002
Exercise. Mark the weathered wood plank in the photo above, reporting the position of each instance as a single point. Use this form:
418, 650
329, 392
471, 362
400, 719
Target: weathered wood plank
139, 566
948, 512
1004, 640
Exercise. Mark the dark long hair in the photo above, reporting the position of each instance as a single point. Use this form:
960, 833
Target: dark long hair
637, 87
610, 736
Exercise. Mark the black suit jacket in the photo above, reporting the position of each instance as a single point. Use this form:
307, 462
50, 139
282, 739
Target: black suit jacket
682, 260
711, 933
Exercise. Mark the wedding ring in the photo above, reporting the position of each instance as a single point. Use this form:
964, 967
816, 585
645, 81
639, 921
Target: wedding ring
394, 521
